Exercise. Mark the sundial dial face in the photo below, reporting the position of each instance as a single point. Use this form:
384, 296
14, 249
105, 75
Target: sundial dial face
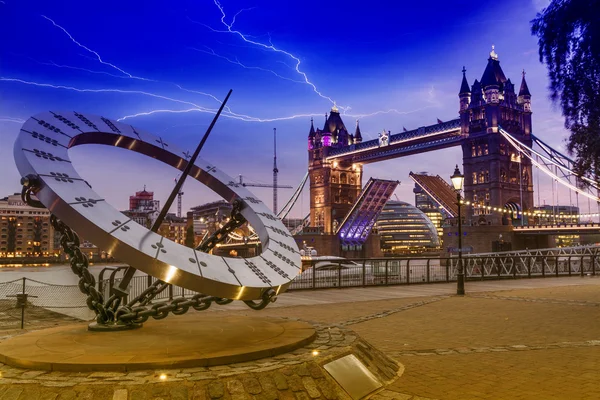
41, 149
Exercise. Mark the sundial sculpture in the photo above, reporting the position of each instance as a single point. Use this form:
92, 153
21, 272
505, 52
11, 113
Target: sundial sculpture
42, 159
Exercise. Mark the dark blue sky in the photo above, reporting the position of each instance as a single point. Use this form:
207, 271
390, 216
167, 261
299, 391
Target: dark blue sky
391, 64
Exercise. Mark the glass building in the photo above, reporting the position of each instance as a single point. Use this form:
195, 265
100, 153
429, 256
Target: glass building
404, 229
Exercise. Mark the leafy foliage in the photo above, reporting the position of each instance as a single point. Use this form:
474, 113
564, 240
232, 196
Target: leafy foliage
189, 236
568, 34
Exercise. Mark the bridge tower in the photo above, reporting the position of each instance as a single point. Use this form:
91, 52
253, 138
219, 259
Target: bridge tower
496, 176
334, 186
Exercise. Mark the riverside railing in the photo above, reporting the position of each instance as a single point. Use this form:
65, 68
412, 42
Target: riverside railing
339, 273
26, 302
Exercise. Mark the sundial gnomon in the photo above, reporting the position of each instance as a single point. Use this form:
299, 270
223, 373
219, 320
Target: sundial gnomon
41, 155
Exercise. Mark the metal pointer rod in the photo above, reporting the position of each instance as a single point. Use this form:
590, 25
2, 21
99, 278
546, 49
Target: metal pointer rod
130, 271
187, 169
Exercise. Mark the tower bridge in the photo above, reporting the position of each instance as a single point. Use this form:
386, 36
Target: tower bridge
494, 130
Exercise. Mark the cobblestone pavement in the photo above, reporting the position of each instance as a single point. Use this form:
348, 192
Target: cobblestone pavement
525, 343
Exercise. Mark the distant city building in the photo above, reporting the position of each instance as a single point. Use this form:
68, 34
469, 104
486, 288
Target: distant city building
143, 209
173, 228
25, 231
404, 229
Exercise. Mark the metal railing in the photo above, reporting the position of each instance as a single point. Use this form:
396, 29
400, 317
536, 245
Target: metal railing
26, 302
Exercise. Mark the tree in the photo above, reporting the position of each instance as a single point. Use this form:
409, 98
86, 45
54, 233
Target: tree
568, 34
189, 237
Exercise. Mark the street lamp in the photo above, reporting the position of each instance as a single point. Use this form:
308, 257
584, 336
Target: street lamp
458, 180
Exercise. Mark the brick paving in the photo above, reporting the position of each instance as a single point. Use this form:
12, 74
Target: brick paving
538, 340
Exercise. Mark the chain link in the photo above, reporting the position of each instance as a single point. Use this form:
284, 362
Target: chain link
236, 219
138, 310
69, 241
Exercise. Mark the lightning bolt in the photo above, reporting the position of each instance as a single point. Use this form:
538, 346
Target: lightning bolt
237, 62
241, 117
11, 119
53, 64
269, 46
140, 92
94, 53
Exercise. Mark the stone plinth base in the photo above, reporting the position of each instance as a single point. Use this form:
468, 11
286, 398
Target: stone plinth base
176, 342
304, 373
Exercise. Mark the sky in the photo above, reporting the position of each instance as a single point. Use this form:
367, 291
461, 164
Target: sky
164, 66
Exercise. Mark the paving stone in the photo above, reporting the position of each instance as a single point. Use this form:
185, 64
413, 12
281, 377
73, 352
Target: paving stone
179, 393
199, 392
302, 370
301, 396
48, 396
32, 374
86, 395
235, 386
138, 395
315, 370
120, 394
327, 388
280, 380
311, 387
58, 384
12, 393
106, 374
216, 390
251, 385
69, 395
295, 383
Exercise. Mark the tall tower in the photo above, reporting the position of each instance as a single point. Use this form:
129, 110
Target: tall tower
496, 175
334, 186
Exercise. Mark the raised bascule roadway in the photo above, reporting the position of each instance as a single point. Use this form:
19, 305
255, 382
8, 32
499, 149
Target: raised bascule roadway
500, 155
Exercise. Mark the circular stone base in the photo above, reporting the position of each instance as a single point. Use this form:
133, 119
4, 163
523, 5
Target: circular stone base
177, 342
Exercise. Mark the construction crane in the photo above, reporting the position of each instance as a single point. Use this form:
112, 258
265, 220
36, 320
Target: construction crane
266, 185
275, 186
179, 196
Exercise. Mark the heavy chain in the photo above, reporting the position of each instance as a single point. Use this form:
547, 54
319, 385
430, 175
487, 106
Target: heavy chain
79, 265
138, 310
236, 219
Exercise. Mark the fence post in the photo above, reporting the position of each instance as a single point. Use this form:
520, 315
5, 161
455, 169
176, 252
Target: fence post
314, 278
363, 273
556, 266
149, 281
448, 261
482, 266
581, 266
514, 268
386, 272
170, 292
428, 270
544, 262
594, 264
569, 265
339, 275
408, 271
529, 267
23, 303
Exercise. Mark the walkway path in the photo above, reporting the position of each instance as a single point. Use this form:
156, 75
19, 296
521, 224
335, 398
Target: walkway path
521, 339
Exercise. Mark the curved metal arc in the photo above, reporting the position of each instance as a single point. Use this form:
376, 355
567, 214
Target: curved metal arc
54, 143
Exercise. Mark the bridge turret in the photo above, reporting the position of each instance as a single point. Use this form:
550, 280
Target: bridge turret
495, 175
465, 99
357, 134
311, 135
524, 95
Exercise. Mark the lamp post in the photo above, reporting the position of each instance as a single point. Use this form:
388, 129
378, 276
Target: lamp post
458, 180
